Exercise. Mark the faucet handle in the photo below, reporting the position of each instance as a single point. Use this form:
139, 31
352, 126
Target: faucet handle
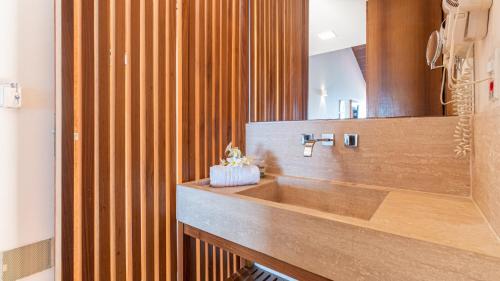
328, 139
351, 140
307, 138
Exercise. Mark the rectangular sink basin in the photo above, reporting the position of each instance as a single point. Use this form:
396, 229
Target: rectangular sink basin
337, 199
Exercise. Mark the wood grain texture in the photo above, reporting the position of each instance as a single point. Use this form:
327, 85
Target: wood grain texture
119, 141
213, 104
104, 185
213, 90
136, 124
279, 56
88, 113
486, 165
360, 54
407, 153
120, 97
67, 139
399, 83
150, 141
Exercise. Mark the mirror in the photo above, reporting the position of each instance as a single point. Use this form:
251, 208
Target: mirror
344, 59
337, 59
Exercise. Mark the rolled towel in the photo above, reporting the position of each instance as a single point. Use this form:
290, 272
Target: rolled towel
221, 176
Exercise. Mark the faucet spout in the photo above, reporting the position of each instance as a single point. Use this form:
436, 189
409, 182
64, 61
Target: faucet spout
308, 148
309, 141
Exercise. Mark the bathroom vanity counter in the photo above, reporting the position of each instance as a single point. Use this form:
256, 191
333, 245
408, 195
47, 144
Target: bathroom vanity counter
346, 231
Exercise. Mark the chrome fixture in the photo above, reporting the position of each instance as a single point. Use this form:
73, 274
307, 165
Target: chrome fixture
351, 140
309, 141
306, 138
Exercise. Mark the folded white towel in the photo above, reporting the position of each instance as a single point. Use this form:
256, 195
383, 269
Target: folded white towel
221, 176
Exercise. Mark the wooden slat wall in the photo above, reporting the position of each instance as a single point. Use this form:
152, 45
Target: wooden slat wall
119, 127
279, 50
213, 104
213, 82
210, 263
399, 82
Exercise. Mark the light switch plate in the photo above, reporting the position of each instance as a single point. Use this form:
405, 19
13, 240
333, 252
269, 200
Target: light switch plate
10, 96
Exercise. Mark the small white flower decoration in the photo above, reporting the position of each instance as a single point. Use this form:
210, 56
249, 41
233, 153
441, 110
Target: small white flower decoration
234, 157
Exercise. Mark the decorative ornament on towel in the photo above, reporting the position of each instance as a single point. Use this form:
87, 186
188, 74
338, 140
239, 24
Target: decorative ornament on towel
234, 170
234, 157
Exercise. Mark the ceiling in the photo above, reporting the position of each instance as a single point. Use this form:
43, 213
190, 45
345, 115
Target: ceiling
346, 18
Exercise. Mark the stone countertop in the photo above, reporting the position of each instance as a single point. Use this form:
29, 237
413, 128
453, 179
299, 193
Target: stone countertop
414, 227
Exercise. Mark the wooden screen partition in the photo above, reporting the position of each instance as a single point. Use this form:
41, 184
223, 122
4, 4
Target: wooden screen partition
279, 44
399, 83
213, 82
213, 105
119, 126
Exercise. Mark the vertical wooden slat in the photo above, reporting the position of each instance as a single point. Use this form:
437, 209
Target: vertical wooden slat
104, 141
128, 142
143, 139
213, 99
199, 88
120, 135
279, 60
221, 265
162, 135
244, 82
88, 145
136, 92
216, 49
198, 260
156, 125
209, 153
190, 141
286, 56
67, 140
206, 261
171, 148
223, 108
304, 56
150, 142
122, 208
112, 96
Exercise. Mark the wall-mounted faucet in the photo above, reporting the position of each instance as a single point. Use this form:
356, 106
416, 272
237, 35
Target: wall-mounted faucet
309, 141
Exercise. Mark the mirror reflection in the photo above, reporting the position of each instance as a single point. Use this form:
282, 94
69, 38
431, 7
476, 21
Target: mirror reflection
337, 59
344, 59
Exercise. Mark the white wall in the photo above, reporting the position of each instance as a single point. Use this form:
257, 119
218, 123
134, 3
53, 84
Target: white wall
339, 73
483, 52
8, 129
346, 18
26, 135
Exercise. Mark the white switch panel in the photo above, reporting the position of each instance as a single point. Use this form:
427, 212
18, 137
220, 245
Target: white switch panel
10, 95
493, 69
496, 77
